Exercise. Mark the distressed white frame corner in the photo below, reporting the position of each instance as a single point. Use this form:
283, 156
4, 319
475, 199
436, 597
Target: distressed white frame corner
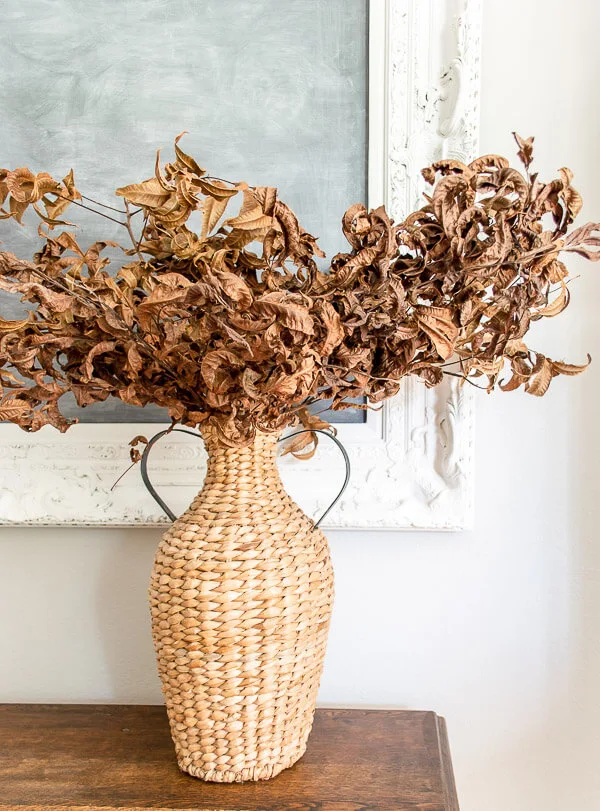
413, 460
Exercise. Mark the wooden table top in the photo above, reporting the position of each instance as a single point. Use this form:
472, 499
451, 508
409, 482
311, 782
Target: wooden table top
121, 757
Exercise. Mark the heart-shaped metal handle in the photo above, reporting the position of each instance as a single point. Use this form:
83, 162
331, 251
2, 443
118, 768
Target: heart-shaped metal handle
171, 514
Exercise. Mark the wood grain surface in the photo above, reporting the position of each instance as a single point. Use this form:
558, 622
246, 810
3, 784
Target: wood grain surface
121, 757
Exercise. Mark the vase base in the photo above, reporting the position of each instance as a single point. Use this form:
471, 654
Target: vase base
252, 774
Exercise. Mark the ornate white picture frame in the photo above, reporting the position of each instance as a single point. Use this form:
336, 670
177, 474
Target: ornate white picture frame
412, 461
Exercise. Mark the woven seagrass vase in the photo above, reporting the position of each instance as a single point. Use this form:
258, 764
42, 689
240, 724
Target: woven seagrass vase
241, 596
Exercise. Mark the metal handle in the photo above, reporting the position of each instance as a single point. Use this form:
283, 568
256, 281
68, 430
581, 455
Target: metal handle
170, 514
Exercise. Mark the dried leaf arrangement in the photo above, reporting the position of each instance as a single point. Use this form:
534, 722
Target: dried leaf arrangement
237, 327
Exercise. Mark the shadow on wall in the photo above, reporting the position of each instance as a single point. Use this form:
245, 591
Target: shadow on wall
123, 616
582, 712
75, 623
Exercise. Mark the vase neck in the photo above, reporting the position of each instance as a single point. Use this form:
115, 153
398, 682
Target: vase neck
246, 469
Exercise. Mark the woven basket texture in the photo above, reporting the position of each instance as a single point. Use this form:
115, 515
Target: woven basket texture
241, 596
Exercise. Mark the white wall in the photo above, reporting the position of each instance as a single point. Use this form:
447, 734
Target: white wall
497, 629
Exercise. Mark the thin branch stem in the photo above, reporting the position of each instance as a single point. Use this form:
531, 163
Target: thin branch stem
223, 180
454, 362
93, 210
565, 282
466, 379
99, 213
304, 404
104, 205
399, 380
134, 241
371, 377
124, 473
142, 232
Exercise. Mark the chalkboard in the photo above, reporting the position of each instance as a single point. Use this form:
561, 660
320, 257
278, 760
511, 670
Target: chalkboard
271, 91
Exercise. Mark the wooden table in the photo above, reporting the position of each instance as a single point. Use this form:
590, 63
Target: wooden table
114, 757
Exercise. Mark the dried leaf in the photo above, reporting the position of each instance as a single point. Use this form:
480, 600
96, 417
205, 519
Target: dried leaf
290, 315
99, 349
542, 376
149, 193
437, 322
558, 305
135, 454
253, 220
335, 331
561, 368
213, 211
525, 152
185, 161
13, 410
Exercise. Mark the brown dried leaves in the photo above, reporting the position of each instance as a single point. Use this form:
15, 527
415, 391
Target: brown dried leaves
236, 325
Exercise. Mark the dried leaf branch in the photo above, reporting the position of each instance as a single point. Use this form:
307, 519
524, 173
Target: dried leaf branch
237, 326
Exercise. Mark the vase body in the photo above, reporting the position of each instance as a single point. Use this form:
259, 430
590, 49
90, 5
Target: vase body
241, 596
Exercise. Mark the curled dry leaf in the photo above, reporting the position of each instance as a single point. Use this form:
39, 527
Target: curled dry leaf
238, 326
135, 454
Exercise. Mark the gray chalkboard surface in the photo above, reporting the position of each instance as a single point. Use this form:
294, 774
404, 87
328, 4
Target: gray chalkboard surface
271, 91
